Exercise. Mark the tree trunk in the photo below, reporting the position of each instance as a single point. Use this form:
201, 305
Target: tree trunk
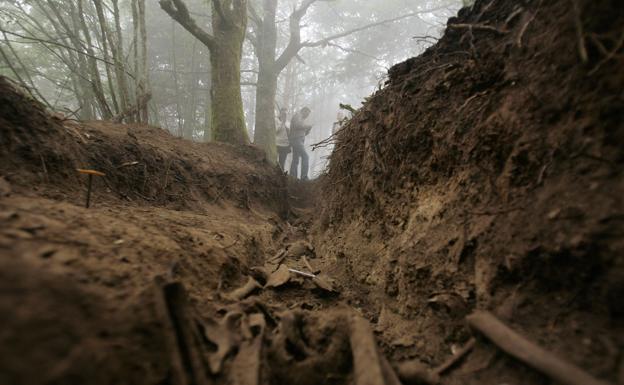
228, 119
118, 58
80, 23
264, 135
229, 24
104, 39
144, 80
266, 89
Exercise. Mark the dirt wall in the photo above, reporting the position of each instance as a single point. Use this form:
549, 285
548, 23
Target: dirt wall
488, 174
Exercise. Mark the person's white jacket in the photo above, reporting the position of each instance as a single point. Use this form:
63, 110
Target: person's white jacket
281, 136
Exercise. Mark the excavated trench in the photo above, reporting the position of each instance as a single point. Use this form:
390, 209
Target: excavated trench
468, 230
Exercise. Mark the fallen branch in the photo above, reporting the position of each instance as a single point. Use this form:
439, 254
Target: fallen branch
528, 352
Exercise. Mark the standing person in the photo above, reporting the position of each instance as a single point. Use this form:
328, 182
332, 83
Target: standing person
298, 132
281, 139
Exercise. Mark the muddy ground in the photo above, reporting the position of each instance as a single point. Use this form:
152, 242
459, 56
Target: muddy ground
485, 175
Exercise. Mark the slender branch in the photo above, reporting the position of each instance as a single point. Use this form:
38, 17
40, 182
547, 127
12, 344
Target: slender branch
179, 12
478, 27
326, 40
17, 75
50, 42
295, 43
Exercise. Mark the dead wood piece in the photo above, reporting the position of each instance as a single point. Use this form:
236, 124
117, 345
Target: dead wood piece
528, 352
245, 290
181, 335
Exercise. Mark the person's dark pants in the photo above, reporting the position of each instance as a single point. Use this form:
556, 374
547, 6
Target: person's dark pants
299, 151
282, 153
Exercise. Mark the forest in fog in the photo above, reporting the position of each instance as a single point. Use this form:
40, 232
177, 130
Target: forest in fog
148, 61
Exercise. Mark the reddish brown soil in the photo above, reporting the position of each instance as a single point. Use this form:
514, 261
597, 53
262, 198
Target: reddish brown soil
488, 174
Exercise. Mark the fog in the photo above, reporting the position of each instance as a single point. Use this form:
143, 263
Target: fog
97, 59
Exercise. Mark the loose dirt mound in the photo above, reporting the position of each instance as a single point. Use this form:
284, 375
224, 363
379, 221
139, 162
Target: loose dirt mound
143, 165
77, 291
488, 174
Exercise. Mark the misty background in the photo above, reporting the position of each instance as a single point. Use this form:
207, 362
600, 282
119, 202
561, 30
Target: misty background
68, 54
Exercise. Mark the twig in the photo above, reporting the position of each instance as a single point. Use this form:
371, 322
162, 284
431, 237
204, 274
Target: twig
526, 25
610, 55
528, 352
471, 99
45, 169
478, 27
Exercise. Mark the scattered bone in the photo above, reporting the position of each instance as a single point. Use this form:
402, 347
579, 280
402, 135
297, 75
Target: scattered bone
325, 283
528, 352
278, 257
245, 290
307, 263
279, 277
368, 364
245, 369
